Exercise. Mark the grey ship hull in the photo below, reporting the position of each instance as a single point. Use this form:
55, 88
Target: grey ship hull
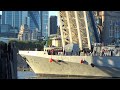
70, 65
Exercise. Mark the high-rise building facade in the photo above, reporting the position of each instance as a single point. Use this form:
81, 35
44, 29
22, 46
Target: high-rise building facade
14, 18
0, 19
5, 28
53, 25
3, 17
34, 20
24, 18
7, 17
44, 16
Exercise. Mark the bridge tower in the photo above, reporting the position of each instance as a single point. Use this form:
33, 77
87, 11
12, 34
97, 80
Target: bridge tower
78, 27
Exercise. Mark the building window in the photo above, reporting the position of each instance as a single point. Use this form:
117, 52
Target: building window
110, 22
111, 31
116, 23
116, 32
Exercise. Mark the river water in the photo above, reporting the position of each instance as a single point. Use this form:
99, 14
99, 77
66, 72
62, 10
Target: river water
26, 75
32, 75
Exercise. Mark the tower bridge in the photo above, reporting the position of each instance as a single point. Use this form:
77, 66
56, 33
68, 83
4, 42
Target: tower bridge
78, 27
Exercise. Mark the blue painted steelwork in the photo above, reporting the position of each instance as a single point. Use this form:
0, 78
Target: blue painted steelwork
94, 26
33, 18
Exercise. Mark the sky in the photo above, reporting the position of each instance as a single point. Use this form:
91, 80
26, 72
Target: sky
51, 13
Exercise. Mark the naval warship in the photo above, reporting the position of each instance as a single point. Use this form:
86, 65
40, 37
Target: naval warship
79, 26
103, 61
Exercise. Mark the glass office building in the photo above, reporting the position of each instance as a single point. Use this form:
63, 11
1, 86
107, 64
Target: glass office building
34, 20
0, 19
44, 15
12, 18
53, 25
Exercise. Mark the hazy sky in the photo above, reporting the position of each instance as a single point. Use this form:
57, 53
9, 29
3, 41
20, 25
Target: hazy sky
50, 13
53, 13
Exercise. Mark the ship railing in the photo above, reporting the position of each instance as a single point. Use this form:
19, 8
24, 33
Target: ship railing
111, 52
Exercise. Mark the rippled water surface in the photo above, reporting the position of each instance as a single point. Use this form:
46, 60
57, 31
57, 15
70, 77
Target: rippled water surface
25, 74
32, 75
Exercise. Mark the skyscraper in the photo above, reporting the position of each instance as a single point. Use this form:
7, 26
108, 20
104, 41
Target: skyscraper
44, 15
0, 19
53, 25
14, 18
34, 20
3, 17
24, 18
7, 17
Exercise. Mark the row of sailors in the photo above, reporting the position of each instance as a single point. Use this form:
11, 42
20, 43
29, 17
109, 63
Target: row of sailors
107, 52
103, 52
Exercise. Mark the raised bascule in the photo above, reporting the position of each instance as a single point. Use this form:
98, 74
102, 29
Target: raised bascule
78, 27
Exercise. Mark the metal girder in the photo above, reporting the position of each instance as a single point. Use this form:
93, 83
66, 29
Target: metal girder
33, 18
74, 28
